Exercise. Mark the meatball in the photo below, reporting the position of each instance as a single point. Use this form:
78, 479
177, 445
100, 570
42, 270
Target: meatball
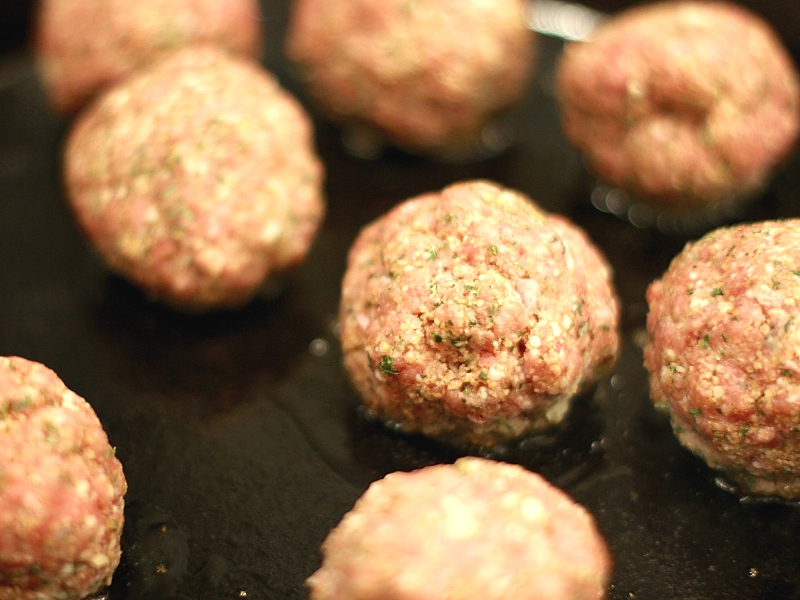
683, 104
428, 75
83, 47
196, 179
61, 489
473, 316
475, 530
722, 352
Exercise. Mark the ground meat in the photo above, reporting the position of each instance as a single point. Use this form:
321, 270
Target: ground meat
684, 104
724, 352
473, 316
196, 179
475, 530
85, 46
428, 74
61, 489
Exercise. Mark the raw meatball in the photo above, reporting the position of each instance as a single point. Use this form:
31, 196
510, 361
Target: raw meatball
473, 316
427, 74
684, 104
85, 46
61, 489
724, 352
475, 530
196, 179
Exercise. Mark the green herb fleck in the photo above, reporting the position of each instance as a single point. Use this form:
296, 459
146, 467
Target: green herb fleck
744, 430
429, 254
483, 376
495, 306
786, 372
23, 404
695, 411
690, 291
706, 340
458, 342
386, 365
50, 433
716, 292
493, 249
437, 338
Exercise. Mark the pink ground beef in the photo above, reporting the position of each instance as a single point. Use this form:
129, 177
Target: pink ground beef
427, 74
86, 46
684, 104
722, 352
197, 179
473, 316
61, 489
475, 530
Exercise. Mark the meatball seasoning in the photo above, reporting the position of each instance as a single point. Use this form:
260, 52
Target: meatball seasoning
722, 352
61, 489
427, 74
474, 530
685, 104
83, 47
473, 316
197, 179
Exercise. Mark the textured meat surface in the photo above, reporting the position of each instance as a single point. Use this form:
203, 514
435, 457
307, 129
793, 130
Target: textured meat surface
428, 73
724, 352
475, 530
474, 316
86, 46
683, 103
197, 179
61, 489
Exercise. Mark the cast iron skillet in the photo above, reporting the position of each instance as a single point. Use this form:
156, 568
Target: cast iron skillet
240, 437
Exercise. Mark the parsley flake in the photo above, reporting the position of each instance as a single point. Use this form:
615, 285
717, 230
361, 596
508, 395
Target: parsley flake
386, 365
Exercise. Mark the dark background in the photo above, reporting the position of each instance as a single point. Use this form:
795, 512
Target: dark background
243, 447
